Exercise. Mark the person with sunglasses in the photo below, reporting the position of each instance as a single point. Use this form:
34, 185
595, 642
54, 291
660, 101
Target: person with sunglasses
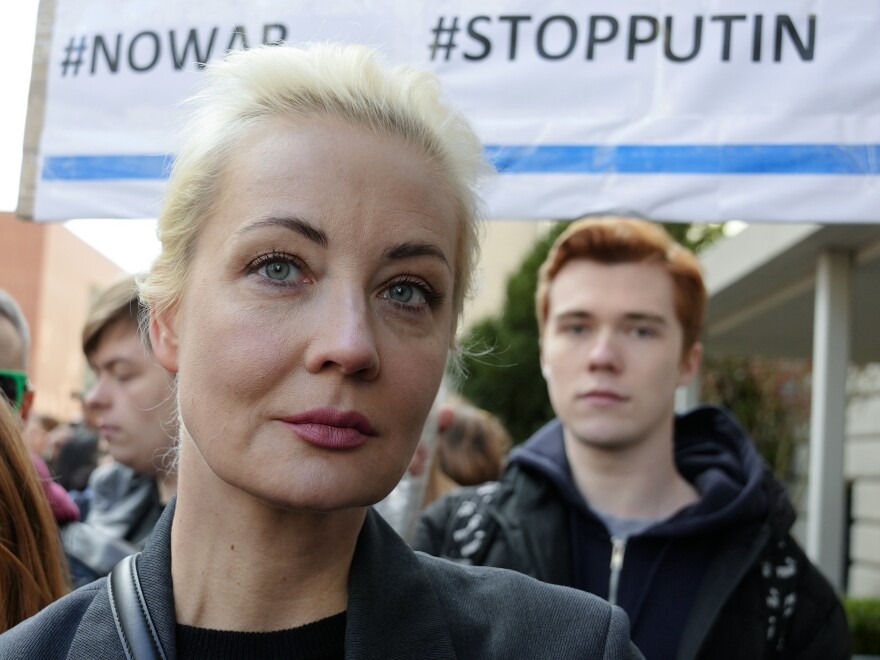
90, 551
15, 387
14, 346
33, 571
18, 393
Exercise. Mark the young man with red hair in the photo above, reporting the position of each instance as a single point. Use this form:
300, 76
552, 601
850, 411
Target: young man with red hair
674, 518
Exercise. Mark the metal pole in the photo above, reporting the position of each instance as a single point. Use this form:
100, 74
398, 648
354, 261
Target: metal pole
35, 109
826, 524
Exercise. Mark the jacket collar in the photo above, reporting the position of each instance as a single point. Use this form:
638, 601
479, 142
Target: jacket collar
711, 451
392, 606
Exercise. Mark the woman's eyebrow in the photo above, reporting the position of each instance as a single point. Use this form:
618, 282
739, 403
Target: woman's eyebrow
415, 249
297, 225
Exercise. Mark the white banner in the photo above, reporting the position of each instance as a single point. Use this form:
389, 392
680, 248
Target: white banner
685, 110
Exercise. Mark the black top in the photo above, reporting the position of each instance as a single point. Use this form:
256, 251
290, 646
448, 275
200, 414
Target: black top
320, 640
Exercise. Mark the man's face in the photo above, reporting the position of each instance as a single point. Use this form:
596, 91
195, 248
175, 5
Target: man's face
611, 352
132, 399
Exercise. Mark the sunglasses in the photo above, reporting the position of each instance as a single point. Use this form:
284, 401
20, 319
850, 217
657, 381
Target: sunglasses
13, 385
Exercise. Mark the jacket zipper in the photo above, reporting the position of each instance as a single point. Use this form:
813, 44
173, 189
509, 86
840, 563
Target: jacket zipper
618, 547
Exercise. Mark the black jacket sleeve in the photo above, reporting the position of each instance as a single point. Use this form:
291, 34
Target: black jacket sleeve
432, 526
819, 628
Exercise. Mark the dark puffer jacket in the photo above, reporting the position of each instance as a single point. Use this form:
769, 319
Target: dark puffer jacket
720, 579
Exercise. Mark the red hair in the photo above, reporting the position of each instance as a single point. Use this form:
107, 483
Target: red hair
32, 567
617, 240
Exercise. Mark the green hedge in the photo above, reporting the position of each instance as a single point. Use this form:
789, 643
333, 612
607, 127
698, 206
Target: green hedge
864, 624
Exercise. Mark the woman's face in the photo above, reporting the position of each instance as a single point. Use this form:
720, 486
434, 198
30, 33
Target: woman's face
313, 330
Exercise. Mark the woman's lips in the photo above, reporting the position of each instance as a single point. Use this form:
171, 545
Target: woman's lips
331, 428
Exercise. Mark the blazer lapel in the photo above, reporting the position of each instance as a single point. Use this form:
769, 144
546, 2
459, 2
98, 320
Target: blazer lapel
393, 611
155, 561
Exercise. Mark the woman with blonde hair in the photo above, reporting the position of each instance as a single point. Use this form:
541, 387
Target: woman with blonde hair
32, 568
318, 239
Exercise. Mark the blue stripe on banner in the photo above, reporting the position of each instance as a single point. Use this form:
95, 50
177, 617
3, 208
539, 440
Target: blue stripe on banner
851, 159
106, 168
839, 159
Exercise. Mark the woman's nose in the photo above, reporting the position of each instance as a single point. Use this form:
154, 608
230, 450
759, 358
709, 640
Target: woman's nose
346, 341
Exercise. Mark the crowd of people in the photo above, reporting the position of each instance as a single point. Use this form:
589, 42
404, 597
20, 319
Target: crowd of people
275, 375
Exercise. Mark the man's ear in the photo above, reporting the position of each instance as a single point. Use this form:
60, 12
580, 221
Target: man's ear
690, 364
545, 368
163, 337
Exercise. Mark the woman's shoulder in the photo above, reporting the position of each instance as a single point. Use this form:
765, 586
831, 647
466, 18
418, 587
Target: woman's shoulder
495, 608
49, 633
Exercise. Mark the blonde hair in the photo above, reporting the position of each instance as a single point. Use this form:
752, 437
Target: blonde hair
346, 82
32, 566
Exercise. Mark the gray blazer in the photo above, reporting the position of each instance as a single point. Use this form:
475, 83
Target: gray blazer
402, 604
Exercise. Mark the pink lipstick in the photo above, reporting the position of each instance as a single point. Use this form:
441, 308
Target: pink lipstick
331, 428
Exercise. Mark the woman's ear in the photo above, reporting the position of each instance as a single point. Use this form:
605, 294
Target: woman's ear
163, 337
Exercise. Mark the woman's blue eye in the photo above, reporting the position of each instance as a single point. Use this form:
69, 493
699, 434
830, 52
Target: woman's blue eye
280, 270
406, 293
